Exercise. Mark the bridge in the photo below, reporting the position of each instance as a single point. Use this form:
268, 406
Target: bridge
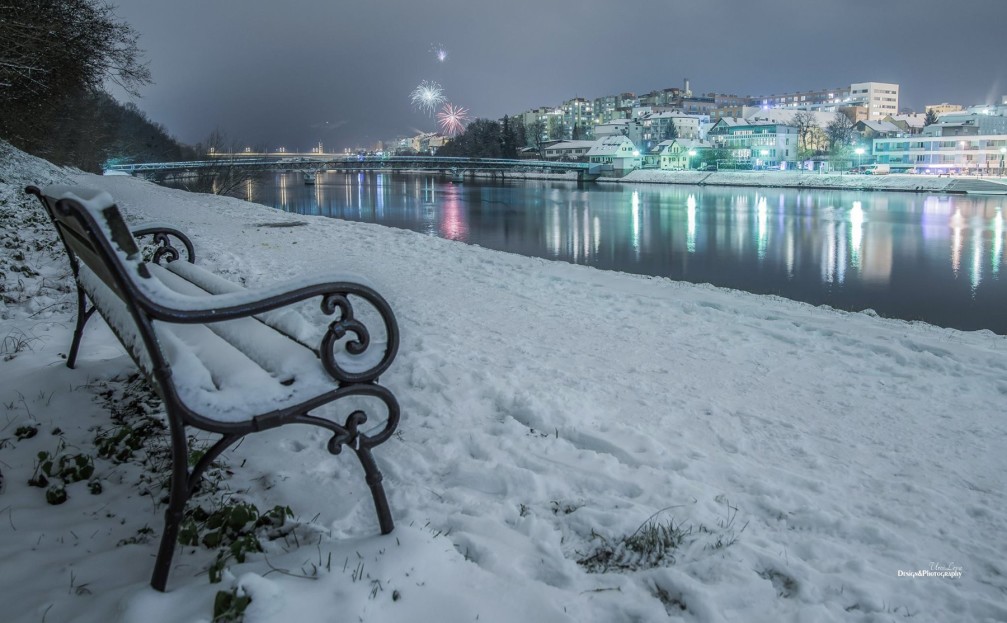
311, 165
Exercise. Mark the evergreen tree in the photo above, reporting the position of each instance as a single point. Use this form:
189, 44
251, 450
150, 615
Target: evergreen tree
670, 132
508, 139
930, 118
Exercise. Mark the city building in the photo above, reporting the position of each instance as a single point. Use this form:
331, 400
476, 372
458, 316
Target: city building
654, 127
940, 109
755, 143
568, 150
784, 116
727, 105
611, 107
972, 120
425, 143
615, 127
547, 119
617, 151
909, 124
578, 119
879, 98
975, 154
877, 129
680, 153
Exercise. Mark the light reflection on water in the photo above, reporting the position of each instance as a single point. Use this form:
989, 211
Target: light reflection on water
929, 257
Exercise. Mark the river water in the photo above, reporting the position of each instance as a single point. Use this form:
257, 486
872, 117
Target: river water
937, 258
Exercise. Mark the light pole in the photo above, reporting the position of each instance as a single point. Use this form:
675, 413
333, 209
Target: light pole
860, 152
688, 165
1003, 150
763, 153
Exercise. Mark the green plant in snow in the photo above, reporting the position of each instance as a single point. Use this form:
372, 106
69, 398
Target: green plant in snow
655, 543
233, 530
26, 431
62, 469
652, 545
229, 606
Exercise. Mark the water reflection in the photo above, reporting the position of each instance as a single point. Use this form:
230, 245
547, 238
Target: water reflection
902, 254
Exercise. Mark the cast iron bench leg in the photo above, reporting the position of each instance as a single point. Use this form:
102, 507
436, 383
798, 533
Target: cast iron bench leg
83, 315
373, 476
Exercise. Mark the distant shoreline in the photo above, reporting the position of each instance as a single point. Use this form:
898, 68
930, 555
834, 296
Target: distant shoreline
794, 179
821, 181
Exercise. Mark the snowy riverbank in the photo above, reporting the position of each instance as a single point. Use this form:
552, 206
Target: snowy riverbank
837, 181
803, 460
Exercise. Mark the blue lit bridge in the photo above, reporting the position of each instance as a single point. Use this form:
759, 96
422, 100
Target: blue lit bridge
310, 166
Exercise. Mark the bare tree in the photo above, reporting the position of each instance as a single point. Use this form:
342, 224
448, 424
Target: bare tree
806, 124
537, 136
53, 53
840, 132
226, 177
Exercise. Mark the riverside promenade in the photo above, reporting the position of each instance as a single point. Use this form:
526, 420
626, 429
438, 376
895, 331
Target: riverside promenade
808, 179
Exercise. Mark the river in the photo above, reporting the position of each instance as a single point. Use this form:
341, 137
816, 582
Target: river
936, 258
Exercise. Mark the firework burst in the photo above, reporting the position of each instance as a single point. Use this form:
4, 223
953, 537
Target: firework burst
440, 52
452, 119
427, 96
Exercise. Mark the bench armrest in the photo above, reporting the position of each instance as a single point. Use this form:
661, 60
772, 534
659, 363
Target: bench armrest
161, 233
166, 305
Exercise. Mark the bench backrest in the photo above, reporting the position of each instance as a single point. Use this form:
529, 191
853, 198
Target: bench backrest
97, 239
90, 234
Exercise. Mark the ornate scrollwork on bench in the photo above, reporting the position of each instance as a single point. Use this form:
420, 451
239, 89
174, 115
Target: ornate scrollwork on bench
162, 237
347, 323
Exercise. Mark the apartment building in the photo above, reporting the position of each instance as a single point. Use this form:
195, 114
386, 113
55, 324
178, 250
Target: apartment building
973, 140
940, 109
551, 120
578, 118
881, 99
976, 154
611, 107
755, 143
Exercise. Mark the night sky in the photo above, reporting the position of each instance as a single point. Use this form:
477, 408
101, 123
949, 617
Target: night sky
295, 72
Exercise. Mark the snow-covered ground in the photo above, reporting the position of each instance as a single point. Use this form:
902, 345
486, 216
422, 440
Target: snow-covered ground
707, 454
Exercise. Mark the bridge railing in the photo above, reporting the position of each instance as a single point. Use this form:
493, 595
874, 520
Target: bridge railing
353, 161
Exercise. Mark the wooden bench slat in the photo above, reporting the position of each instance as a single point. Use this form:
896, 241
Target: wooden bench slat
287, 321
274, 352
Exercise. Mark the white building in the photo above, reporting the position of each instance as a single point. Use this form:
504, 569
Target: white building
973, 120
785, 116
617, 151
680, 153
879, 98
568, 150
616, 127
756, 143
977, 154
686, 126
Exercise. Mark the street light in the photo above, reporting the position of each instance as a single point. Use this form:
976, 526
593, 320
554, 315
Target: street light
1003, 150
688, 165
860, 152
763, 153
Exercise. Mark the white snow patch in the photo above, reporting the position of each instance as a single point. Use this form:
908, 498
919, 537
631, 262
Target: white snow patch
547, 409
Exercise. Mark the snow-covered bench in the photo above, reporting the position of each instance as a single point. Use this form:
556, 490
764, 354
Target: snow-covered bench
226, 359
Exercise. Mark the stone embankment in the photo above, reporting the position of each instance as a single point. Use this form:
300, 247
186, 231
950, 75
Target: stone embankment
838, 181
